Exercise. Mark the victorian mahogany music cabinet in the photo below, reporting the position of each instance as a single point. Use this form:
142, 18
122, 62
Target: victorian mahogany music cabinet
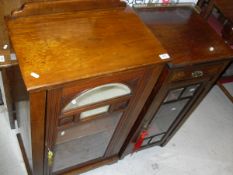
96, 83
88, 68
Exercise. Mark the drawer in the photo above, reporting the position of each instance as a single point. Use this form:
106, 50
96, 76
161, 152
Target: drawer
195, 72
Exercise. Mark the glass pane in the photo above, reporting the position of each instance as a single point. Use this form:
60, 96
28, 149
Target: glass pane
94, 112
97, 94
145, 141
190, 90
173, 95
157, 138
165, 116
85, 142
229, 87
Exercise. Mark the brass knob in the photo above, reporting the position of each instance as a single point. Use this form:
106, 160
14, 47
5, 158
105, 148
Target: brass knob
50, 157
197, 74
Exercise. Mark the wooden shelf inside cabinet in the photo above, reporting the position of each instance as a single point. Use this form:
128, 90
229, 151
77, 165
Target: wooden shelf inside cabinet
84, 71
199, 57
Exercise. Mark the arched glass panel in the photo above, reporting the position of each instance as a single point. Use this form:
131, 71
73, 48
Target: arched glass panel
98, 94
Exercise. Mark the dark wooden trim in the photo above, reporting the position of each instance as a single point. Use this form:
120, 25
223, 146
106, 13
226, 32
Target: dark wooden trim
225, 91
37, 109
53, 112
25, 159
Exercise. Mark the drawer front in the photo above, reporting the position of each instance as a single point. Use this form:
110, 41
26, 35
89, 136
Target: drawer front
195, 72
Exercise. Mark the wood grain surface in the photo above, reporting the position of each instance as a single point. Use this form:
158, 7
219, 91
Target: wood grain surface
64, 47
185, 35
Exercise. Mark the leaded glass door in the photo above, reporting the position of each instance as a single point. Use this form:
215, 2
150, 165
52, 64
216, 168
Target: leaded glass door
176, 101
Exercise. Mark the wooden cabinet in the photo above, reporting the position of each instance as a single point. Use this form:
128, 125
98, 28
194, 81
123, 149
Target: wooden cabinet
199, 57
90, 88
171, 102
84, 72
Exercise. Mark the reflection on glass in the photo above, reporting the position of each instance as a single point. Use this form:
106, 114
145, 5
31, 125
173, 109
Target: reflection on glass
190, 91
93, 112
173, 95
84, 142
165, 116
97, 94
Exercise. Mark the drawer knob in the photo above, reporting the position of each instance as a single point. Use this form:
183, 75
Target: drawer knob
197, 74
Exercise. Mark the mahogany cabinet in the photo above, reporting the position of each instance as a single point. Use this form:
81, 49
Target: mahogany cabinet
86, 75
199, 57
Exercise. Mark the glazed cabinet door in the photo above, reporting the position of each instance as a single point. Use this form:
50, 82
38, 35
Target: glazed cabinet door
89, 119
174, 104
177, 93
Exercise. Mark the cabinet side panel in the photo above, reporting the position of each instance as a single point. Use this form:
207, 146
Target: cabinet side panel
24, 128
18, 106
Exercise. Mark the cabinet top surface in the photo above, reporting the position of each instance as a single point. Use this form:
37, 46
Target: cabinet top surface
185, 35
65, 47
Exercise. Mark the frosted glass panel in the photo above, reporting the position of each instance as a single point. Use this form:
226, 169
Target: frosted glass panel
93, 112
97, 94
